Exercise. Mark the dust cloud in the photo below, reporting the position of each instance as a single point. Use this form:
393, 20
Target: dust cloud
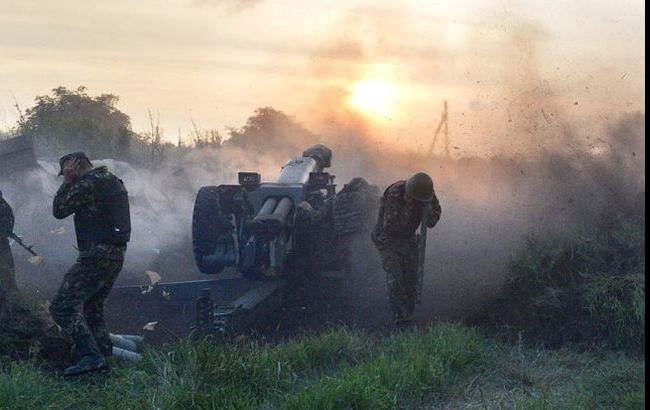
539, 152
489, 205
537, 170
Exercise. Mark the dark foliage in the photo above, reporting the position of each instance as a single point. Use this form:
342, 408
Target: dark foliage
271, 132
72, 120
586, 289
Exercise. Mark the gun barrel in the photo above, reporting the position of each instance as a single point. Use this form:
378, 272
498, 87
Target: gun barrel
268, 207
272, 222
282, 210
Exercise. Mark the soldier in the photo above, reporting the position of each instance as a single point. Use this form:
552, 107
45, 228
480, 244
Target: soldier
99, 202
354, 208
7, 275
400, 214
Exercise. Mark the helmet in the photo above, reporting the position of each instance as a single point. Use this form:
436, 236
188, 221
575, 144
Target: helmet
420, 187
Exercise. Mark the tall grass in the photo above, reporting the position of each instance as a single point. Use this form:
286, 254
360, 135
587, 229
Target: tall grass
588, 288
449, 366
22, 322
404, 370
337, 369
341, 368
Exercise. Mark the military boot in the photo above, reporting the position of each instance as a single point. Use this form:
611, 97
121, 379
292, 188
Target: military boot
106, 351
105, 347
91, 359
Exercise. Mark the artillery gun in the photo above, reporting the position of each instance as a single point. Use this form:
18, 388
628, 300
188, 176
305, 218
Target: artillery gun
256, 227
258, 239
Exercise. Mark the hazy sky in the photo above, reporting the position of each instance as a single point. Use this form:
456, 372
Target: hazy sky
217, 60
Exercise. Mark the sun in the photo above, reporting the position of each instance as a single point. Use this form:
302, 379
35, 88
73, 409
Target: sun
376, 98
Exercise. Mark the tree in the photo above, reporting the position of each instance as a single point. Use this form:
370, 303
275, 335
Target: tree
271, 132
72, 120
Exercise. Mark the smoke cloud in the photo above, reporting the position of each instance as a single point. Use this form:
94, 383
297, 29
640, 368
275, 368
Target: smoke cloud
489, 205
541, 170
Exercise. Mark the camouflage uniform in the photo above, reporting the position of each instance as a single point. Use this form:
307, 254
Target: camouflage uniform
395, 238
344, 217
354, 209
7, 276
89, 281
350, 212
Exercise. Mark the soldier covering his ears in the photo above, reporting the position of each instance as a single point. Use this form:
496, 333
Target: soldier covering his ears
400, 214
100, 204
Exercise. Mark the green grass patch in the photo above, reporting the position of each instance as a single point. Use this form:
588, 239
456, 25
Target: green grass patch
337, 369
406, 368
533, 378
448, 365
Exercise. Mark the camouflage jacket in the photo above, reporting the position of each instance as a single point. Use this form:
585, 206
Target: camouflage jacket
351, 211
399, 219
82, 197
355, 210
6, 218
73, 197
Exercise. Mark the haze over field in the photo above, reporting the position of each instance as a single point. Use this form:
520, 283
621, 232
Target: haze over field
514, 73
561, 82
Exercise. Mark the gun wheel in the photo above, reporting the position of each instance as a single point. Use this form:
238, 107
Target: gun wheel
205, 228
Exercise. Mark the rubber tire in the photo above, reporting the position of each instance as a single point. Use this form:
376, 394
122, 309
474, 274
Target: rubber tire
205, 228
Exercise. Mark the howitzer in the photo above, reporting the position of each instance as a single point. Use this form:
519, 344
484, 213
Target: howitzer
260, 244
422, 250
259, 230
19, 241
253, 227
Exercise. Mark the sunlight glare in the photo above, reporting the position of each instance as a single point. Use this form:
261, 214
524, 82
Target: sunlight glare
375, 98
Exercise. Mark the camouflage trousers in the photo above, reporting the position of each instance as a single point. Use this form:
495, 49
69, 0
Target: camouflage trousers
86, 285
399, 259
7, 270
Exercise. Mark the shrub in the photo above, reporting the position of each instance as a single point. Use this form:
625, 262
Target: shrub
21, 324
588, 288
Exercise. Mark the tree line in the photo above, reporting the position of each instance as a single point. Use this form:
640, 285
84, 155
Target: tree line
68, 120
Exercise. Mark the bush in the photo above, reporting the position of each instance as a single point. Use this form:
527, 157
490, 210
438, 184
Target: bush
588, 288
72, 120
21, 324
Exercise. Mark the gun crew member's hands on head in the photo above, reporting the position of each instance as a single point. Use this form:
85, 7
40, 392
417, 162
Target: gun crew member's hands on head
71, 170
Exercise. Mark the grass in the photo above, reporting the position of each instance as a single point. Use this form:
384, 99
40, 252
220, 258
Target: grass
449, 365
527, 378
584, 289
337, 369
